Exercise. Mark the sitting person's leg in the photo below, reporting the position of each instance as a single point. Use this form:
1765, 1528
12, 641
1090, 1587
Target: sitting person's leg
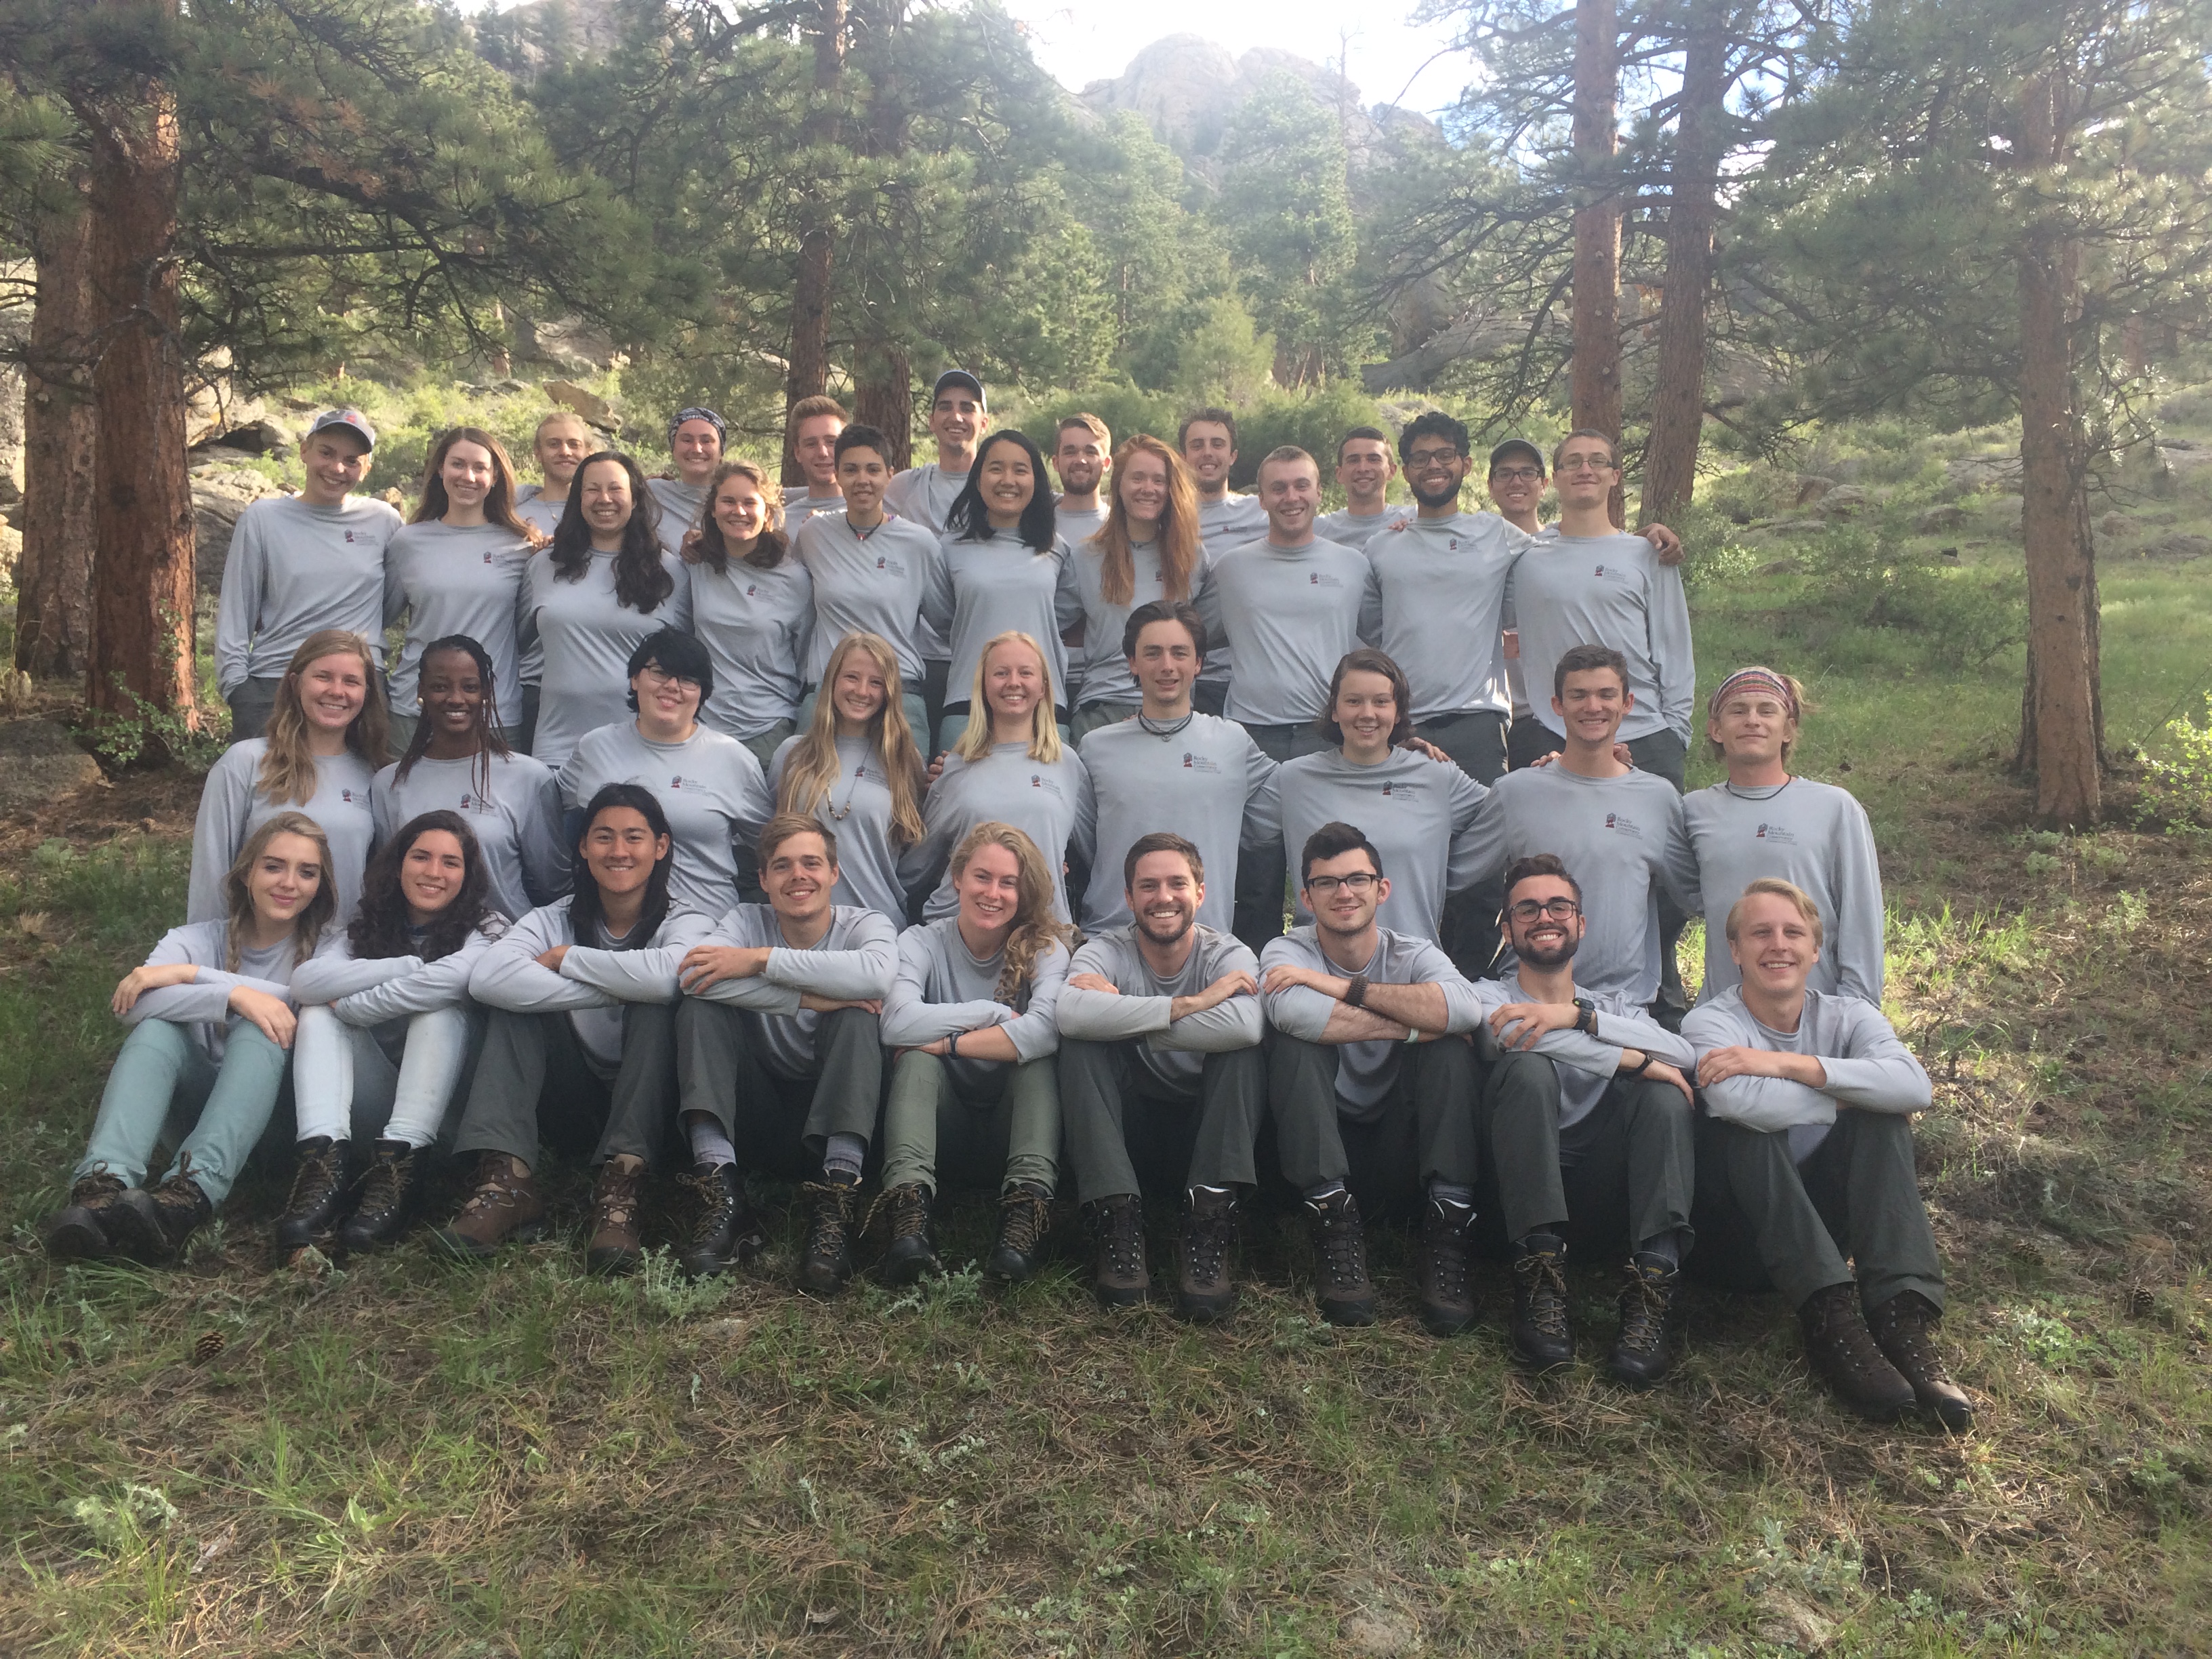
247, 1083
337, 1070
1520, 1131
1657, 1136
525, 1059
425, 1096
1032, 1169
159, 1070
1441, 1078
1232, 1105
640, 1117
920, 1097
1310, 1145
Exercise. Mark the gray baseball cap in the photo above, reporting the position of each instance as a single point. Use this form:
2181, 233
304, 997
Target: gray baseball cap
349, 420
959, 377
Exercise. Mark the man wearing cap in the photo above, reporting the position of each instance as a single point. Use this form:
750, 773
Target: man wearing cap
959, 415
1364, 467
695, 439
301, 563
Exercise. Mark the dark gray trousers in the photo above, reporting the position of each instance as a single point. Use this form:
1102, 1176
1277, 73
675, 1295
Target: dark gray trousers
533, 1082
1422, 1131
1262, 872
778, 1124
251, 705
1768, 1222
1631, 1178
1662, 752
1116, 1114
1476, 742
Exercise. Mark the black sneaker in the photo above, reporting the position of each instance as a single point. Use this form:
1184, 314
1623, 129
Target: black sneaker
1541, 1338
825, 1260
1440, 1271
1643, 1352
912, 1252
1117, 1226
1203, 1289
1346, 1293
320, 1187
152, 1227
389, 1194
1025, 1218
723, 1228
78, 1231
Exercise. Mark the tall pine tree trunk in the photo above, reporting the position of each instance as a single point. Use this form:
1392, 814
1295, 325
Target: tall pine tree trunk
141, 638
884, 397
53, 603
809, 372
1596, 381
1678, 399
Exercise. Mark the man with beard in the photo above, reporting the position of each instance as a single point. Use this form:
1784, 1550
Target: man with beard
1160, 1034
1082, 453
1586, 1119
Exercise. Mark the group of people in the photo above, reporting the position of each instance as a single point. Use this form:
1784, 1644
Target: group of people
935, 827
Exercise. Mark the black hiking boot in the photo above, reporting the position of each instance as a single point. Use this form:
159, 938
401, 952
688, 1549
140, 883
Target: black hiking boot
1203, 1289
1644, 1351
391, 1189
825, 1259
1541, 1337
1346, 1293
724, 1231
1024, 1219
320, 1189
1117, 1226
1447, 1299
912, 1252
152, 1226
80, 1230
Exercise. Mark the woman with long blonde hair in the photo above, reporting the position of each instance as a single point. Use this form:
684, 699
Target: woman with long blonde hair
1009, 766
1147, 549
325, 741
752, 607
857, 771
971, 1026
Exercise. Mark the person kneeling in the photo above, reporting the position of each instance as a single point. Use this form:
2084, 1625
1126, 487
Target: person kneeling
1369, 1075
970, 1023
1159, 1034
563, 1054
210, 1017
1807, 1160
1586, 1119
384, 1023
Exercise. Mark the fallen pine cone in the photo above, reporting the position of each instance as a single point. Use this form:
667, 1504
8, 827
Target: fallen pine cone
208, 1345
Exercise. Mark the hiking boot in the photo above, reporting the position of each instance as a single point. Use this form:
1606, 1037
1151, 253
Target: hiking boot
723, 1228
320, 1187
79, 1229
504, 1205
1117, 1226
1904, 1328
1541, 1338
1346, 1294
912, 1253
1025, 1218
616, 1248
1642, 1352
153, 1226
825, 1261
1838, 1346
390, 1190
1203, 1289
1440, 1271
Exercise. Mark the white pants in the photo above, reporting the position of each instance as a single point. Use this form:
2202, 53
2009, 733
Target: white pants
344, 1085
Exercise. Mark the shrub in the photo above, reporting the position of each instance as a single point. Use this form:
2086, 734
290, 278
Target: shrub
1867, 576
2179, 784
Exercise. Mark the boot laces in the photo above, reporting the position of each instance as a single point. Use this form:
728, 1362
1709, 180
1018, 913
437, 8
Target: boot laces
1544, 1288
1447, 1251
1206, 1235
1021, 1218
1644, 1303
615, 1196
1907, 1335
1844, 1334
495, 1187
1123, 1234
830, 1214
386, 1180
1343, 1251
315, 1179
716, 1202
180, 1191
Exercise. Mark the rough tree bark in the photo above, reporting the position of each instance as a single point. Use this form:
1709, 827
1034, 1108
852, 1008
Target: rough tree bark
884, 397
1678, 397
809, 373
141, 638
1597, 373
53, 603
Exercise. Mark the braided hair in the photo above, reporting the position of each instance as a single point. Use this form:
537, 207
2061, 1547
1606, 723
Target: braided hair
489, 744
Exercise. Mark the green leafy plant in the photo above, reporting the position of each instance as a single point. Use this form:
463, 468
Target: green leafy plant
2178, 785
151, 733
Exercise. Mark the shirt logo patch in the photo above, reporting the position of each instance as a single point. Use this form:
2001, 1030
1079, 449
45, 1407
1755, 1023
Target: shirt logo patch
1452, 546
1620, 823
349, 535
1777, 833
1400, 789
1322, 579
346, 795
1192, 763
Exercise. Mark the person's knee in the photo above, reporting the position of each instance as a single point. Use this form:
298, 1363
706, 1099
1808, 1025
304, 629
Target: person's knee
1523, 1079
1664, 1104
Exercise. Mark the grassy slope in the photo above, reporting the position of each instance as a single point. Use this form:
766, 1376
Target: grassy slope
408, 1459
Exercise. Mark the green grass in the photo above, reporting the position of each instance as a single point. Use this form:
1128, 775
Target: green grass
408, 1458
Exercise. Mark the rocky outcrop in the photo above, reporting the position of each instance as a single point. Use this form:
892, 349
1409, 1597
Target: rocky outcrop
224, 485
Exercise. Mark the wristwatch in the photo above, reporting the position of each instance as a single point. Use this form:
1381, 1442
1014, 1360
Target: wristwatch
1355, 991
1585, 1016
1639, 1070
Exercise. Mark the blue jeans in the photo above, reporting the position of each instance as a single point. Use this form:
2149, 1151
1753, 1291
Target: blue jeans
163, 1087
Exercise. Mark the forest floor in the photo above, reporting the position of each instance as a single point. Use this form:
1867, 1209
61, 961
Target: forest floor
403, 1457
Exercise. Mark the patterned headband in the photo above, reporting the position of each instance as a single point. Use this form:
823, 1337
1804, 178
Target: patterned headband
1763, 679
705, 414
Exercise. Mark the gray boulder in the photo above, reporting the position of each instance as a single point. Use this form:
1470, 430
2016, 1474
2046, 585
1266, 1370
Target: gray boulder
39, 762
220, 493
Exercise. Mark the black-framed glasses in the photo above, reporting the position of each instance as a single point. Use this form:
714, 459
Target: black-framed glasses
1518, 475
1433, 458
1358, 881
1559, 910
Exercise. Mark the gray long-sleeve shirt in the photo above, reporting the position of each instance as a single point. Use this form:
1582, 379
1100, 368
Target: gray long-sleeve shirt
1418, 813
203, 1004
294, 570
857, 812
1813, 835
231, 809
1201, 781
758, 626
941, 988
867, 582
1290, 614
979, 590
1039, 800
1585, 1064
509, 975
1172, 1052
1101, 672
447, 579
1078, 525
1223, 525
1868, 1066
1607, 590
682, 506
710, 787
518, 823
587, 636
854, 961
1441, 584
1621, 838
1350, 529
1364, 1071
800, 506
366, 991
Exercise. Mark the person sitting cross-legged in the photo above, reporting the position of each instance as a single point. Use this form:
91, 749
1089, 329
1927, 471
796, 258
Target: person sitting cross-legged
1585, 1119
1371, 1080
1159, 1056
1805, 1163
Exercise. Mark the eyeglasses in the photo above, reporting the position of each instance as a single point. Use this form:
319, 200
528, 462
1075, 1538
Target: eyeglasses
653, 670
1433, 458
1322, 886
1585, 464
1517, 475
1559, 910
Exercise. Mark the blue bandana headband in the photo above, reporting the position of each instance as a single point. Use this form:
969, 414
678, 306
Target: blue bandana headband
721, 430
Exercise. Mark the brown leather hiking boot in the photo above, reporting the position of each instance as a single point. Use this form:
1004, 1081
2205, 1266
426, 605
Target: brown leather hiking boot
152, 1226
616, 1246
1838, 1346
1643, 1352
80, 1230
825, 1260
1203, 1289
1344, 1292
504, 1205
1440, 1270
1905, 1329
1541, 1337
321, 1189
1117, 1226
1025, 1218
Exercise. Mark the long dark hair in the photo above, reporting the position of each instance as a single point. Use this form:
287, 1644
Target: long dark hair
499, 500
641, 582
969, 520
380, 928
768, 547
587, 917
488, 741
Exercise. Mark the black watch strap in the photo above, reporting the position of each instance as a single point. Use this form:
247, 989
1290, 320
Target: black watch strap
1355, 991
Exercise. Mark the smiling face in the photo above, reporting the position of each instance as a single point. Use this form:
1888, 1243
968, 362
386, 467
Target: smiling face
1586, 473
740, 509
332, 690
1291, 491
1080, 458
336, 462
453, 693
1007, 482
666, 701
1516, 484
861, 474
1543, 921
607, 501
956, 419
697, 449
1143, 488
620, 850
285, 878
1592, 701
816, 445
1166, 661
1209, 452
1363, 467
1013, 680
1367, 711
1435, 470
799, 877
1344, 892
859, 691
989, 888
467, 473
431, 874
561, 447
1772, 944
1164, 897
1752, 727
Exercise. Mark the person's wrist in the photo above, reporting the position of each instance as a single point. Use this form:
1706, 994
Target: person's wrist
1355, 991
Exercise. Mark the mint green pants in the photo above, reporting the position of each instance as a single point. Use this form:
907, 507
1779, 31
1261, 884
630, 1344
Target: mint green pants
990, 1123
164, 1087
